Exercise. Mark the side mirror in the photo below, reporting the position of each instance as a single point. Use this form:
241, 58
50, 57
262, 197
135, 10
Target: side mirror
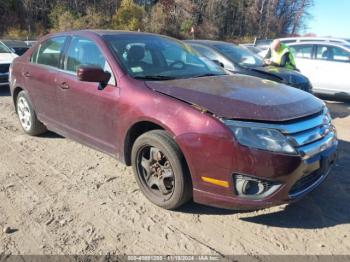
218, 63
93, 74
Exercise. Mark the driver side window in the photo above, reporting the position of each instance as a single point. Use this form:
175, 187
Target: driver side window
83, 51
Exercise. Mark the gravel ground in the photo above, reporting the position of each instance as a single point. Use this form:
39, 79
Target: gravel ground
59, 197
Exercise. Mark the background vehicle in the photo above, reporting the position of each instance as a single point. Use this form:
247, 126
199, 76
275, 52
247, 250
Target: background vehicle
263, 43
6, 58
185, 126
289, 40
30, 43
241, 60
326, 64
252, 48
16, 46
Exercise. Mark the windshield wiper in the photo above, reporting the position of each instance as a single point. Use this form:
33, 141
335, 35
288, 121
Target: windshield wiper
155, 77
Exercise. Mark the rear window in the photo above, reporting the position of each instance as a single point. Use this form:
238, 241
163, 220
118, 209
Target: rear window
49, 52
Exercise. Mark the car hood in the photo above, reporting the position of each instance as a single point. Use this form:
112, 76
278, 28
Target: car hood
287, 76
7, 57
241, 97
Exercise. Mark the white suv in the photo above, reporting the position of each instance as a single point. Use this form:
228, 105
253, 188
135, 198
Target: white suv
6, 58
326, 64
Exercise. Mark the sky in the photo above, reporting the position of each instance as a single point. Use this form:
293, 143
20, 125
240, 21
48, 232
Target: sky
330, 18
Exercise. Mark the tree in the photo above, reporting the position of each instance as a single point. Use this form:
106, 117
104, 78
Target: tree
128, 16
155, 20
213, 19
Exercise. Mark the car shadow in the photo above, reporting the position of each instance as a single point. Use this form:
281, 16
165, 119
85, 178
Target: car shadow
50, 134
5, 91
326, 206
195, 208
339, 108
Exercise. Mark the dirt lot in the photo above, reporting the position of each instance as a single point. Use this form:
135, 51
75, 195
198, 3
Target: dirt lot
64, 198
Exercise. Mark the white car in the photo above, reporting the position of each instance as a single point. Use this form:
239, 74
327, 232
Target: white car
6, 58
326, 64
289, 40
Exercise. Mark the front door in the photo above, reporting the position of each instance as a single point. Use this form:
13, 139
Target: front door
88, 115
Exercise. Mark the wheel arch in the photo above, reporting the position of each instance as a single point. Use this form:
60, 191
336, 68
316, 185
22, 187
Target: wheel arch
136, 130
15, 93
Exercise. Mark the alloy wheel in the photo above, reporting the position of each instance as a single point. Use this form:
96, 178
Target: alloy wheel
156, 173
24, 113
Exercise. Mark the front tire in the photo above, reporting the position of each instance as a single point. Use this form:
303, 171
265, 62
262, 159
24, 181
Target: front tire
27, 116
160, 170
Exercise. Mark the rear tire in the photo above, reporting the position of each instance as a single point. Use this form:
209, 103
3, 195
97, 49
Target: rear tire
27, 116
160, 170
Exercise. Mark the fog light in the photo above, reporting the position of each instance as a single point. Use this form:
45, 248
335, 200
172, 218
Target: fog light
249, 187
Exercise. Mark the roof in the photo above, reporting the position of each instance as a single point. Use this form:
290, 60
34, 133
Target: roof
102, 32
343, 45
311, 38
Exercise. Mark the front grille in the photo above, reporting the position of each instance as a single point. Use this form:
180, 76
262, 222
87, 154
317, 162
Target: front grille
4, 68
305, 182
4, 79
312, 135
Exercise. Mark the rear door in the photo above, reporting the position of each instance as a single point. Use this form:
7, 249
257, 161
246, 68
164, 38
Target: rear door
333, 68
41, 76
88, 115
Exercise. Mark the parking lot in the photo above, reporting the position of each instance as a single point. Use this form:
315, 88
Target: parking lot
60, 197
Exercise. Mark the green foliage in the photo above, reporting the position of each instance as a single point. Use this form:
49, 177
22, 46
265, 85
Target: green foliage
63, 19
16, 33
223, 19
128, 16
186, 26
56, 13
155, 21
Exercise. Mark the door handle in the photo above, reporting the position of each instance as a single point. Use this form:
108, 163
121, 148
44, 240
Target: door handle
64, 85
26, 74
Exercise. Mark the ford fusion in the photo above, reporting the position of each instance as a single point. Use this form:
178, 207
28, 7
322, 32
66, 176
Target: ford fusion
189, 129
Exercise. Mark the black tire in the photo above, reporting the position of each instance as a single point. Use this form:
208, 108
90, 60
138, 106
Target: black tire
36, 127
180, 182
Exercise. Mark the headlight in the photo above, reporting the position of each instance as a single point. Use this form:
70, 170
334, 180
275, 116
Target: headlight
10, 72
261, 138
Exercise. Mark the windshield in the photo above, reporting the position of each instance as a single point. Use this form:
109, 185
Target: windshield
239, 55
4, 49
159, 58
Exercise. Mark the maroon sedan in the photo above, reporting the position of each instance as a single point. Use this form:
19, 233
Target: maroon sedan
188, 128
